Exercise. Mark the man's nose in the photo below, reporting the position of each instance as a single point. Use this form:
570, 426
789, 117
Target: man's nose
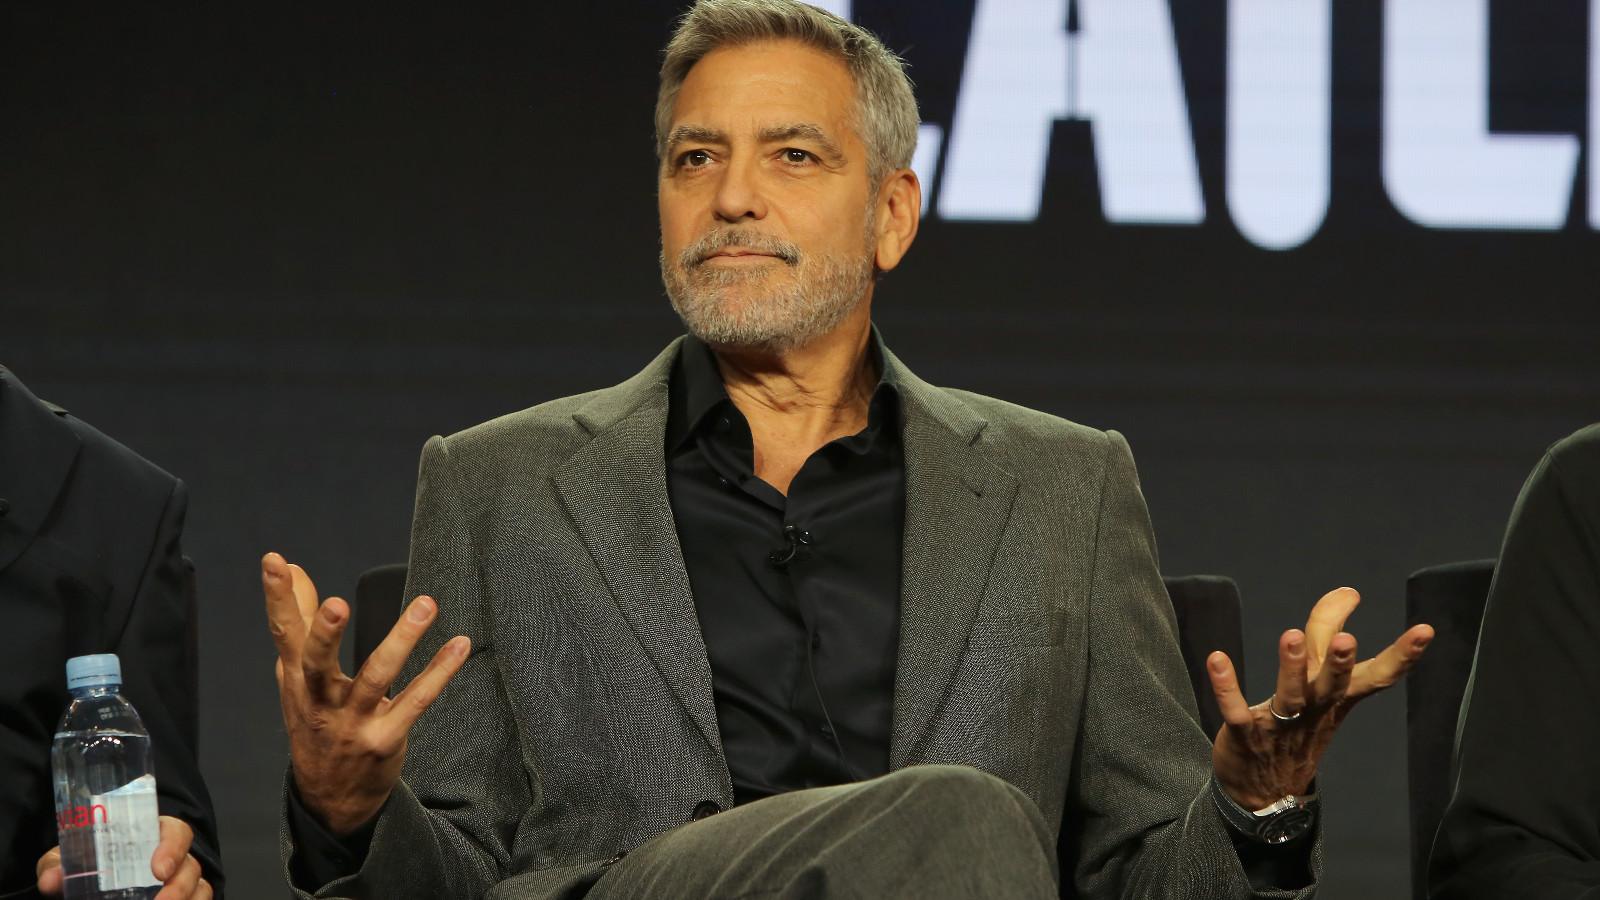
739, 195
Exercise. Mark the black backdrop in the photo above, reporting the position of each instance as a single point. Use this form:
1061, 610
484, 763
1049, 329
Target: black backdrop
274, 247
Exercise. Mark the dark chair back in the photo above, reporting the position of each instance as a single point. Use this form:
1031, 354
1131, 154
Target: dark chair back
1451, 599
1210, 618
189, 716
380, 595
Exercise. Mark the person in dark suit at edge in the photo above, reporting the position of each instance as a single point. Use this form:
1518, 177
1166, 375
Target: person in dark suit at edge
90, 562
1524, 818
775, 617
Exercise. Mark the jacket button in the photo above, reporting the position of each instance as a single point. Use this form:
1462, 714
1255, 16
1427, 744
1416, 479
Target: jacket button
705, 809
615, 859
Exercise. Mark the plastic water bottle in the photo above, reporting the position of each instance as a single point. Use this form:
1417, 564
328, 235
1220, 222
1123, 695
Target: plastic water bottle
106, 812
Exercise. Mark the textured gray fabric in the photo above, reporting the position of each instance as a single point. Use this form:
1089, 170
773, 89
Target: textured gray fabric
922, 833
1037, 644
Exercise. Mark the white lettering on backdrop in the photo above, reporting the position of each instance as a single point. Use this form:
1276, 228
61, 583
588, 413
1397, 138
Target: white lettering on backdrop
1024, 72
1115, 64
1441, 166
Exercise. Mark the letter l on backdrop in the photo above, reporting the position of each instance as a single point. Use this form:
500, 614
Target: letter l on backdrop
1441, 165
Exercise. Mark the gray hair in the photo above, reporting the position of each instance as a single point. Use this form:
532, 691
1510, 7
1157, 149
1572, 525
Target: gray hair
886, 111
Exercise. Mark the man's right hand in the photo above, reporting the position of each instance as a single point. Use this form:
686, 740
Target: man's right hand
347, 737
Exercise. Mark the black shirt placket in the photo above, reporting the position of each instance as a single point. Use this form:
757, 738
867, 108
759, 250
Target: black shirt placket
798, 596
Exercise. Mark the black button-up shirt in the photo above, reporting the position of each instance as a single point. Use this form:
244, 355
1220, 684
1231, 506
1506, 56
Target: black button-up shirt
798, 597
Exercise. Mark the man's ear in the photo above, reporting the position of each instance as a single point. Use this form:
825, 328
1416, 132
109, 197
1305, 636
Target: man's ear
899, 213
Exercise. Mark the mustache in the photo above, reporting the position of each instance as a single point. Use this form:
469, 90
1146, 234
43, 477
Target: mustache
702, 250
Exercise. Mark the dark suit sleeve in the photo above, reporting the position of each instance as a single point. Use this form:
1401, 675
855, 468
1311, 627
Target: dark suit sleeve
448, 827
1525, 817
1148, 826
153, 647
320, 855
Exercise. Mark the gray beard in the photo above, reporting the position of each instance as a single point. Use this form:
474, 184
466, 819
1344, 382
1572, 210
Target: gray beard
808, 297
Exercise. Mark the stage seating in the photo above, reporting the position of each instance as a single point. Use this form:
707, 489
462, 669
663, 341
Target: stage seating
1450, 598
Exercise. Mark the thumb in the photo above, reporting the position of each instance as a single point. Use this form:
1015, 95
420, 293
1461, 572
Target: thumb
50, 874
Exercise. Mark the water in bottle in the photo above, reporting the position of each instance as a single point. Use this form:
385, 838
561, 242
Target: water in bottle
106, 812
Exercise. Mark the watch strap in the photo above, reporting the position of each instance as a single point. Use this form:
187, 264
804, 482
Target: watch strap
1278, 822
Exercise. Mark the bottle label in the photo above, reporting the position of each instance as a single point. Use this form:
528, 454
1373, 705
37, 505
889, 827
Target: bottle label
127, 834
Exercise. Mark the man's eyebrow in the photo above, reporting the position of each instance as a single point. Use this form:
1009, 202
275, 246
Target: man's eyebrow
789, 131
695, 134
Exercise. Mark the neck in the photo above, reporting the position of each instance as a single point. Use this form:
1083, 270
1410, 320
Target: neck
798, 401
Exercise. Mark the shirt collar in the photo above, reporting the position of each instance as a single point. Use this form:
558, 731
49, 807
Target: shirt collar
698, 393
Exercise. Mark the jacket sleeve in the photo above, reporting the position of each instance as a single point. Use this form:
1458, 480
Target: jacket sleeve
155, 651
1142, 822
1524, 820
448, 827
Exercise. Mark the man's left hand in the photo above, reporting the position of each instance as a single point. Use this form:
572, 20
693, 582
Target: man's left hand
177, 868
1271, 750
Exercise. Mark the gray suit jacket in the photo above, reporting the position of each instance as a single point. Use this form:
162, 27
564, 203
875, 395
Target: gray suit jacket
1037, 644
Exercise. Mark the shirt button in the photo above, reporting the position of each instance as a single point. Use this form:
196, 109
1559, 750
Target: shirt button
826, 729
724, 482
724, 425
705, 809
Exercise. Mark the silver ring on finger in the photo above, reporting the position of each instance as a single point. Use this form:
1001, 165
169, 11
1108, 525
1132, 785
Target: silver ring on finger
1272, 708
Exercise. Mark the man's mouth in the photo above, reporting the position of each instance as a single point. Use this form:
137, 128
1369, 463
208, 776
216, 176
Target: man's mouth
739, 254
735, 249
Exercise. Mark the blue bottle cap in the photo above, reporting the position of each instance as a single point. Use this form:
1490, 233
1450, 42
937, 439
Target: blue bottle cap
97, 670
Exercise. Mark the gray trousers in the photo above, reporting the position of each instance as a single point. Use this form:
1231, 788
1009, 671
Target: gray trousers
925, 832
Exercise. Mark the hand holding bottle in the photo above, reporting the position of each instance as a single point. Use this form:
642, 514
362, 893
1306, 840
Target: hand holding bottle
177, 868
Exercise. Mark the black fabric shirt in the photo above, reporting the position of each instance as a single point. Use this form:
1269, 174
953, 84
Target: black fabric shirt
798, 597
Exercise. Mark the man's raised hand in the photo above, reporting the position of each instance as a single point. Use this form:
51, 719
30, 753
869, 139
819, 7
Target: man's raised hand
346, 735
1260, 758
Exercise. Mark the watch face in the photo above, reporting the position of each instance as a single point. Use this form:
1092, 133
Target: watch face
1286, 825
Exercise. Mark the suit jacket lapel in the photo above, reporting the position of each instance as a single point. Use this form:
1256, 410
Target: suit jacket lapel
615, 489
957, 506
36, 454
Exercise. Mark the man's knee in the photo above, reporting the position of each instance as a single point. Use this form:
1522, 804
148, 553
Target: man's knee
961, 793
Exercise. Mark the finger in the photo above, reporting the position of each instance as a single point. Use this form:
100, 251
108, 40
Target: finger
305, 592
183, 883
1327, 619
176, 836
383, 666
1289, 698
1333, 682
426, 687
1225, 684
284, 616
1388, 667
51, 881
320, 662
203, 890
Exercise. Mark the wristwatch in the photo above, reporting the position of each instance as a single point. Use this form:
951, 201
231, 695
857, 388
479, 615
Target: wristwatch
1276, 823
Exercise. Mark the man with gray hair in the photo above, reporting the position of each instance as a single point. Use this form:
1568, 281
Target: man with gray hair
775, 617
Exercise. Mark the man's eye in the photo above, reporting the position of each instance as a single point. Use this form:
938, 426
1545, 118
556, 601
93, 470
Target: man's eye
696, 158
796, 157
